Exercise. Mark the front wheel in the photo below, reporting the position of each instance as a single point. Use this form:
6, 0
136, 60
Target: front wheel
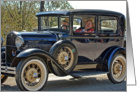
31, 74
117, 70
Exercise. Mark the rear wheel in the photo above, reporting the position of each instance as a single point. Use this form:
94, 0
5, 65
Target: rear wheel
117, 71
3, 78
31, 74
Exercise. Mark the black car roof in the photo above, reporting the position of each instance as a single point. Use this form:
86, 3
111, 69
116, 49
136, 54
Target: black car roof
78, 11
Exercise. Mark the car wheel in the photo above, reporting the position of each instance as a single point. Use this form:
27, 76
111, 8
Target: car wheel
66, 56
3, 78
31, 74
117, 70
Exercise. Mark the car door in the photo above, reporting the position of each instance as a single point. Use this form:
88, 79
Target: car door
108, 34
84, 42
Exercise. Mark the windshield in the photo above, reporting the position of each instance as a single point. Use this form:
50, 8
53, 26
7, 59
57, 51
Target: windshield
55, 23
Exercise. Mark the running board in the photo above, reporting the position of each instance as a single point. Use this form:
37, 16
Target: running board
80, 74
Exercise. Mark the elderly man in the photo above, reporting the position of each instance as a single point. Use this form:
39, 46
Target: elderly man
65, 25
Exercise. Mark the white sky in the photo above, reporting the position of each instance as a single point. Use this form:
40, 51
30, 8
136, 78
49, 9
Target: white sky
119, 6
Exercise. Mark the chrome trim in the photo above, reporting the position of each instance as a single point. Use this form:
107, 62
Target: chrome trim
8, 70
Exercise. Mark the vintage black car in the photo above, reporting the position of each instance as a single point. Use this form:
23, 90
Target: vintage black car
68, 42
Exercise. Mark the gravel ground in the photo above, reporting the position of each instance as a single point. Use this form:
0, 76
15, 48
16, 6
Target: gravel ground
90, 83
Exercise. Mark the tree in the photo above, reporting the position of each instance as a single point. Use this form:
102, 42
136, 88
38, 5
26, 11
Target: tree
42, 6
20, 15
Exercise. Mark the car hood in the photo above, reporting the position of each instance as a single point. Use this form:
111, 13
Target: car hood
40, 35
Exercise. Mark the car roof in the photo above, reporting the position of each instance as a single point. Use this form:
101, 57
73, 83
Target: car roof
78, 11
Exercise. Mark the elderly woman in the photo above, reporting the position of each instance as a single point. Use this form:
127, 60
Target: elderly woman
87, 29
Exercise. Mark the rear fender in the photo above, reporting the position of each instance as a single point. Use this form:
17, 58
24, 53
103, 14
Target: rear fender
107, 56
119, 50
53, 66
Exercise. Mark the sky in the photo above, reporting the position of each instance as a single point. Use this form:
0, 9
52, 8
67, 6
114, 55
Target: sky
118, 6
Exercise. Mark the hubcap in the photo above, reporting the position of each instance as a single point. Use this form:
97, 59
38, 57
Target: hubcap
117, 68
65, 57
32, 74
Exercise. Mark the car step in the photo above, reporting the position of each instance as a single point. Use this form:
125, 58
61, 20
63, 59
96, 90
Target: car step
79, 74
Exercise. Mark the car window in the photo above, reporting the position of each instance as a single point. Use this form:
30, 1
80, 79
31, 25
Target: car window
84, 25
76, 23
107, 24
49, 22
65, 23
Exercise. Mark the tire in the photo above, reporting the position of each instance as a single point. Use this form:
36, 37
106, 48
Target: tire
31, 74
66, 56
116, 74
3, 78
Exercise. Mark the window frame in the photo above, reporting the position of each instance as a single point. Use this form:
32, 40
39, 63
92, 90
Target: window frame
117, 31
90, 34
58, 22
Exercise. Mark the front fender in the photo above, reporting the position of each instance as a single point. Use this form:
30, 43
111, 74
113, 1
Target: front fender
3, 49
3, 54
58, 43
50, 61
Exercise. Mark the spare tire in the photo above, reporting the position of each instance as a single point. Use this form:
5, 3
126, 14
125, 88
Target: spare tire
65, 53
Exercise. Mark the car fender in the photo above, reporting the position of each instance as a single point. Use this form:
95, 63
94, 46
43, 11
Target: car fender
3, 54
53, 66
58, 43
116, 50
3, 49
107, 55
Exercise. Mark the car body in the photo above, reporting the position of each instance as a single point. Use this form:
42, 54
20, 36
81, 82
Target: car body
65, 50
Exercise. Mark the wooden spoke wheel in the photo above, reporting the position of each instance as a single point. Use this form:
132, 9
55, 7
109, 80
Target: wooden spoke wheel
117, 71
65, 57
32, 74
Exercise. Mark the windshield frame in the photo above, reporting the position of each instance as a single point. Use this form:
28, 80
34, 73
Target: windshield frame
59, 23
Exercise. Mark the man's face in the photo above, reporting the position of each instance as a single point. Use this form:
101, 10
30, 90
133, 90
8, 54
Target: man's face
66, 24
88, 25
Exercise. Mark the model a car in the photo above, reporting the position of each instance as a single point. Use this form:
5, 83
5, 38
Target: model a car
68, 42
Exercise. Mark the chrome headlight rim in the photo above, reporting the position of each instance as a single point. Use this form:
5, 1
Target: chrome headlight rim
60, 35
19, 41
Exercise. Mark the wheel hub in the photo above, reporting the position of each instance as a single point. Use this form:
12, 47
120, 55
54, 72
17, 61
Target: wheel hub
63, 57
31, 75
117, 68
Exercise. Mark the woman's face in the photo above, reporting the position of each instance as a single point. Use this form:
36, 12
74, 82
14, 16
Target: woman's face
88, 25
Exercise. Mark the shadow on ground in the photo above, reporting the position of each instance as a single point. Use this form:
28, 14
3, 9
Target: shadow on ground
82, 84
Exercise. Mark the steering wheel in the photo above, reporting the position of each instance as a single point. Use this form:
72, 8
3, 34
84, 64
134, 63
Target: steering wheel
65, 27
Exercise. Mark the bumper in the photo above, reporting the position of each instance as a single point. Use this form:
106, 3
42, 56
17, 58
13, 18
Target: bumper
8, 70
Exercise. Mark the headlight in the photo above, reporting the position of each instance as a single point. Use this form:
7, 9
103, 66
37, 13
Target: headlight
19, 41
